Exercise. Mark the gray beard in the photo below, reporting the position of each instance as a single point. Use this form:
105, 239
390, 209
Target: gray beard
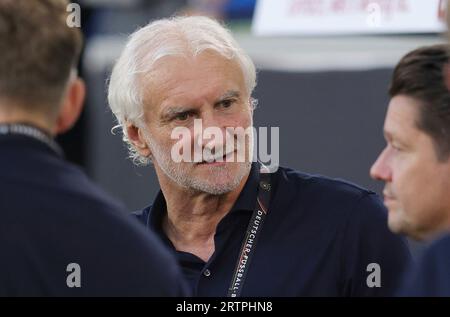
178, 175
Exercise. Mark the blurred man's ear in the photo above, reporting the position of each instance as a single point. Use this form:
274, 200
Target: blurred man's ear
136, 137
71, 107
253, 103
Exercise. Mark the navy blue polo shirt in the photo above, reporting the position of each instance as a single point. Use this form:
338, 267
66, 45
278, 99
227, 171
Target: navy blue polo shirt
318, 239
431, 275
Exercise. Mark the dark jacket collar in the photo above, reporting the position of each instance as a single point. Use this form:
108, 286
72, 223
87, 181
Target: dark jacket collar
25, 136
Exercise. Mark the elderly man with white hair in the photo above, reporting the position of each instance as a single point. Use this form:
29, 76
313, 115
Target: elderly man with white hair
236, 227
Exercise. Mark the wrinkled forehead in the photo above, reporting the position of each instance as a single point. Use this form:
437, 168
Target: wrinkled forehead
187, 76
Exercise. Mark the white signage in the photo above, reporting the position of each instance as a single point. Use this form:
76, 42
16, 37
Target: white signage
332, 17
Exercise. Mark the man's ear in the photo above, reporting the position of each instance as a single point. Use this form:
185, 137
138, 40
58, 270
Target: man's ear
136, 137
253, 103
72, 105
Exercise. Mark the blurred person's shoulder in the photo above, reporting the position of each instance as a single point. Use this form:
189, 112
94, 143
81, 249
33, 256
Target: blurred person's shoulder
316, 182
52, 214
305, 188
30, 166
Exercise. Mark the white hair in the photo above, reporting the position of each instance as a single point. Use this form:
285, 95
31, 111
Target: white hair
182, 36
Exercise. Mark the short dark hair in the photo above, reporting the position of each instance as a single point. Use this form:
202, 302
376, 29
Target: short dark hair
421, 74
38, 51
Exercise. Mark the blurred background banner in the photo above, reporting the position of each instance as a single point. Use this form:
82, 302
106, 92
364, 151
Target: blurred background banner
316, 17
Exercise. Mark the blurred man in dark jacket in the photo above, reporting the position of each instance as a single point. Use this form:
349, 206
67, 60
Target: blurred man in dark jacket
415, 165
60, 235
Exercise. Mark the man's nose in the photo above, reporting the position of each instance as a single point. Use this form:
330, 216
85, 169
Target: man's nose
214, 130
380, 170
212, 119
209, 133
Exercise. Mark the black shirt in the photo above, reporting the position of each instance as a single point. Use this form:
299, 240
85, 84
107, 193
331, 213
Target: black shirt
51, 216
318, 239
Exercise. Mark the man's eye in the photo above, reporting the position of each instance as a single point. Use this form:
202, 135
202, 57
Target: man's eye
182, 116
227, 103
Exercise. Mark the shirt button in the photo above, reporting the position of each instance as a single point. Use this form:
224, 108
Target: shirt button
264, 185
207, 273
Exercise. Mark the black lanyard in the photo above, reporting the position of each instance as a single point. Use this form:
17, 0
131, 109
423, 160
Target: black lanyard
252, 234
32, 132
